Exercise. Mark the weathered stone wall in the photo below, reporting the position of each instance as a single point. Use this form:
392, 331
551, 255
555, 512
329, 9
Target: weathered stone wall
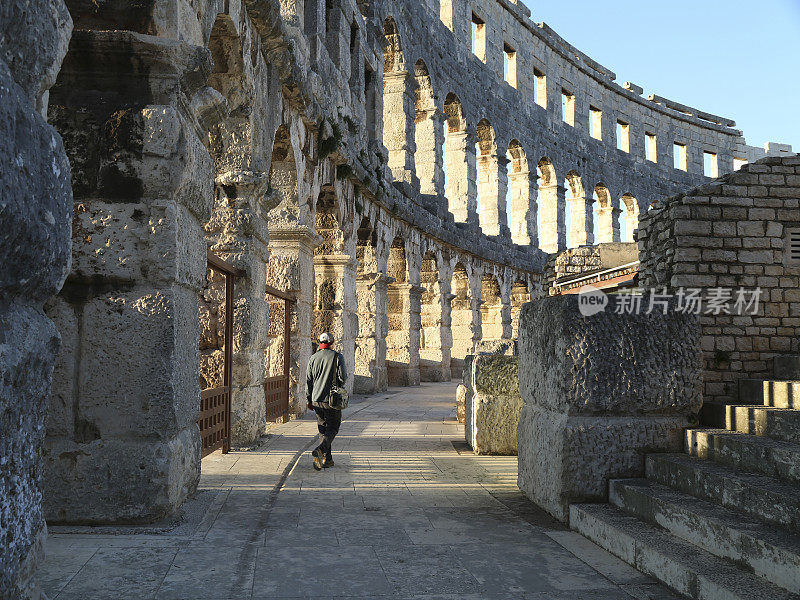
576, 261
733, 233
599, 392
35, 207
491, 403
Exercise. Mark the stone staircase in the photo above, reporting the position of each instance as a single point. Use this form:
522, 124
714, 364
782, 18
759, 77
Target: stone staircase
721, 521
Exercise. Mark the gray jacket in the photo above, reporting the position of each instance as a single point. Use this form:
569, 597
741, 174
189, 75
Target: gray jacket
319, 375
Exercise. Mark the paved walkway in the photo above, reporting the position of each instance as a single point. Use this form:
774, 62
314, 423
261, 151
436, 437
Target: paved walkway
407, 512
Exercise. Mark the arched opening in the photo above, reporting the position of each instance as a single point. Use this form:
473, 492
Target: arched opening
461, 319
427, 134
520, 196
520, 294
579, 219
551, 226
398, 106
370, 357
460, 163
492, 182
629, 217
607, 216
491, 309
434, 358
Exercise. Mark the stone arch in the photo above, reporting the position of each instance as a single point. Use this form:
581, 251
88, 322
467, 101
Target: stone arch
579, 208
369, 371
520, 294
492, 182
402, 339
398, 107
551, 201
520, 197
491, 308
630, 214
607, 215
428, 134
461, 318
434, 355
460, 173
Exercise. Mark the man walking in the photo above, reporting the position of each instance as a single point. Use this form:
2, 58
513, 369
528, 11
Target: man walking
325, 368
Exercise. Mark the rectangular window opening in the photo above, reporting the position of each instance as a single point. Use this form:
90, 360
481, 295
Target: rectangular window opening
478, 37
510, 65
710, 165
623, 136
738, 163
596, 123
540, 88
568, 107
370, 100
792, 244
679, 156
650, 147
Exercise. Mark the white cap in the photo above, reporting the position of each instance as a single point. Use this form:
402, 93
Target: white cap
326, 338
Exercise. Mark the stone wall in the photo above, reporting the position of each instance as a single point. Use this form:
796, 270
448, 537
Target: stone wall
599, 392
733, 233
491, 403
587, 259
35, 208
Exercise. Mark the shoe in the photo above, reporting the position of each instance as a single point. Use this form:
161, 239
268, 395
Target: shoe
328, 462
318, 458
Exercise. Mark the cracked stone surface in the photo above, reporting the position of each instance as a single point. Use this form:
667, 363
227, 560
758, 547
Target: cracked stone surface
407, 512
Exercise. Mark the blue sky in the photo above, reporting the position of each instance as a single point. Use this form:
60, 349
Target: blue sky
735, 58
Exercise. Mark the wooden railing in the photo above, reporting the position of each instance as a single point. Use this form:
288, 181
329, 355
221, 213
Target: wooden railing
215, 419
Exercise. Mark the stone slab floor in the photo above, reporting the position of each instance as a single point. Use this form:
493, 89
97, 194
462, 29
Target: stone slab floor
407, 512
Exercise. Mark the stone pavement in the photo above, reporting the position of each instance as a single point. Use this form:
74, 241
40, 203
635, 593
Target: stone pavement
407, 512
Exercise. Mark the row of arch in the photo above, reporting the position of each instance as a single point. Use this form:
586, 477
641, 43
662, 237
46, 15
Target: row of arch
483, 185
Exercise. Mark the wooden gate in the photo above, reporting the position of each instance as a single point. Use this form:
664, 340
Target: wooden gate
276, 389
215, 403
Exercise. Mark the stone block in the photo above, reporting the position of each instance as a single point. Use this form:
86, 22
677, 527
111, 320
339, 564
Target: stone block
492, 404
600, 391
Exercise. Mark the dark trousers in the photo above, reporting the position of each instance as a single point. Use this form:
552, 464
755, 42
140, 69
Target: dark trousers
328, 422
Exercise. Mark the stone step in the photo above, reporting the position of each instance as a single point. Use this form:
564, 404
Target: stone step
776, 393
771, 552
747, 453
682, 566
776, 423
758, 496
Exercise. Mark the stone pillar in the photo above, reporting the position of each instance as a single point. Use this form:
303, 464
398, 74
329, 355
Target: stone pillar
492, 321
35, 254
291, 269
402, 341
492, 186
608, 224
462, 177
553, 234
370, 363
434, 353
523, 208
398, 126
506, 327
238, 233
582, 227
123, 443
429, 138
620, 386
336, 274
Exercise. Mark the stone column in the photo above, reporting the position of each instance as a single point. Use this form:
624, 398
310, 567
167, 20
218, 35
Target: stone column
35, 254
336, 273
434, 353
492, 186
523, 210
608, 224
370, 351
238, 233
553, 234
291, 269
123, 443
581, 230
398, 126
462, 177
402, 341
429, 138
